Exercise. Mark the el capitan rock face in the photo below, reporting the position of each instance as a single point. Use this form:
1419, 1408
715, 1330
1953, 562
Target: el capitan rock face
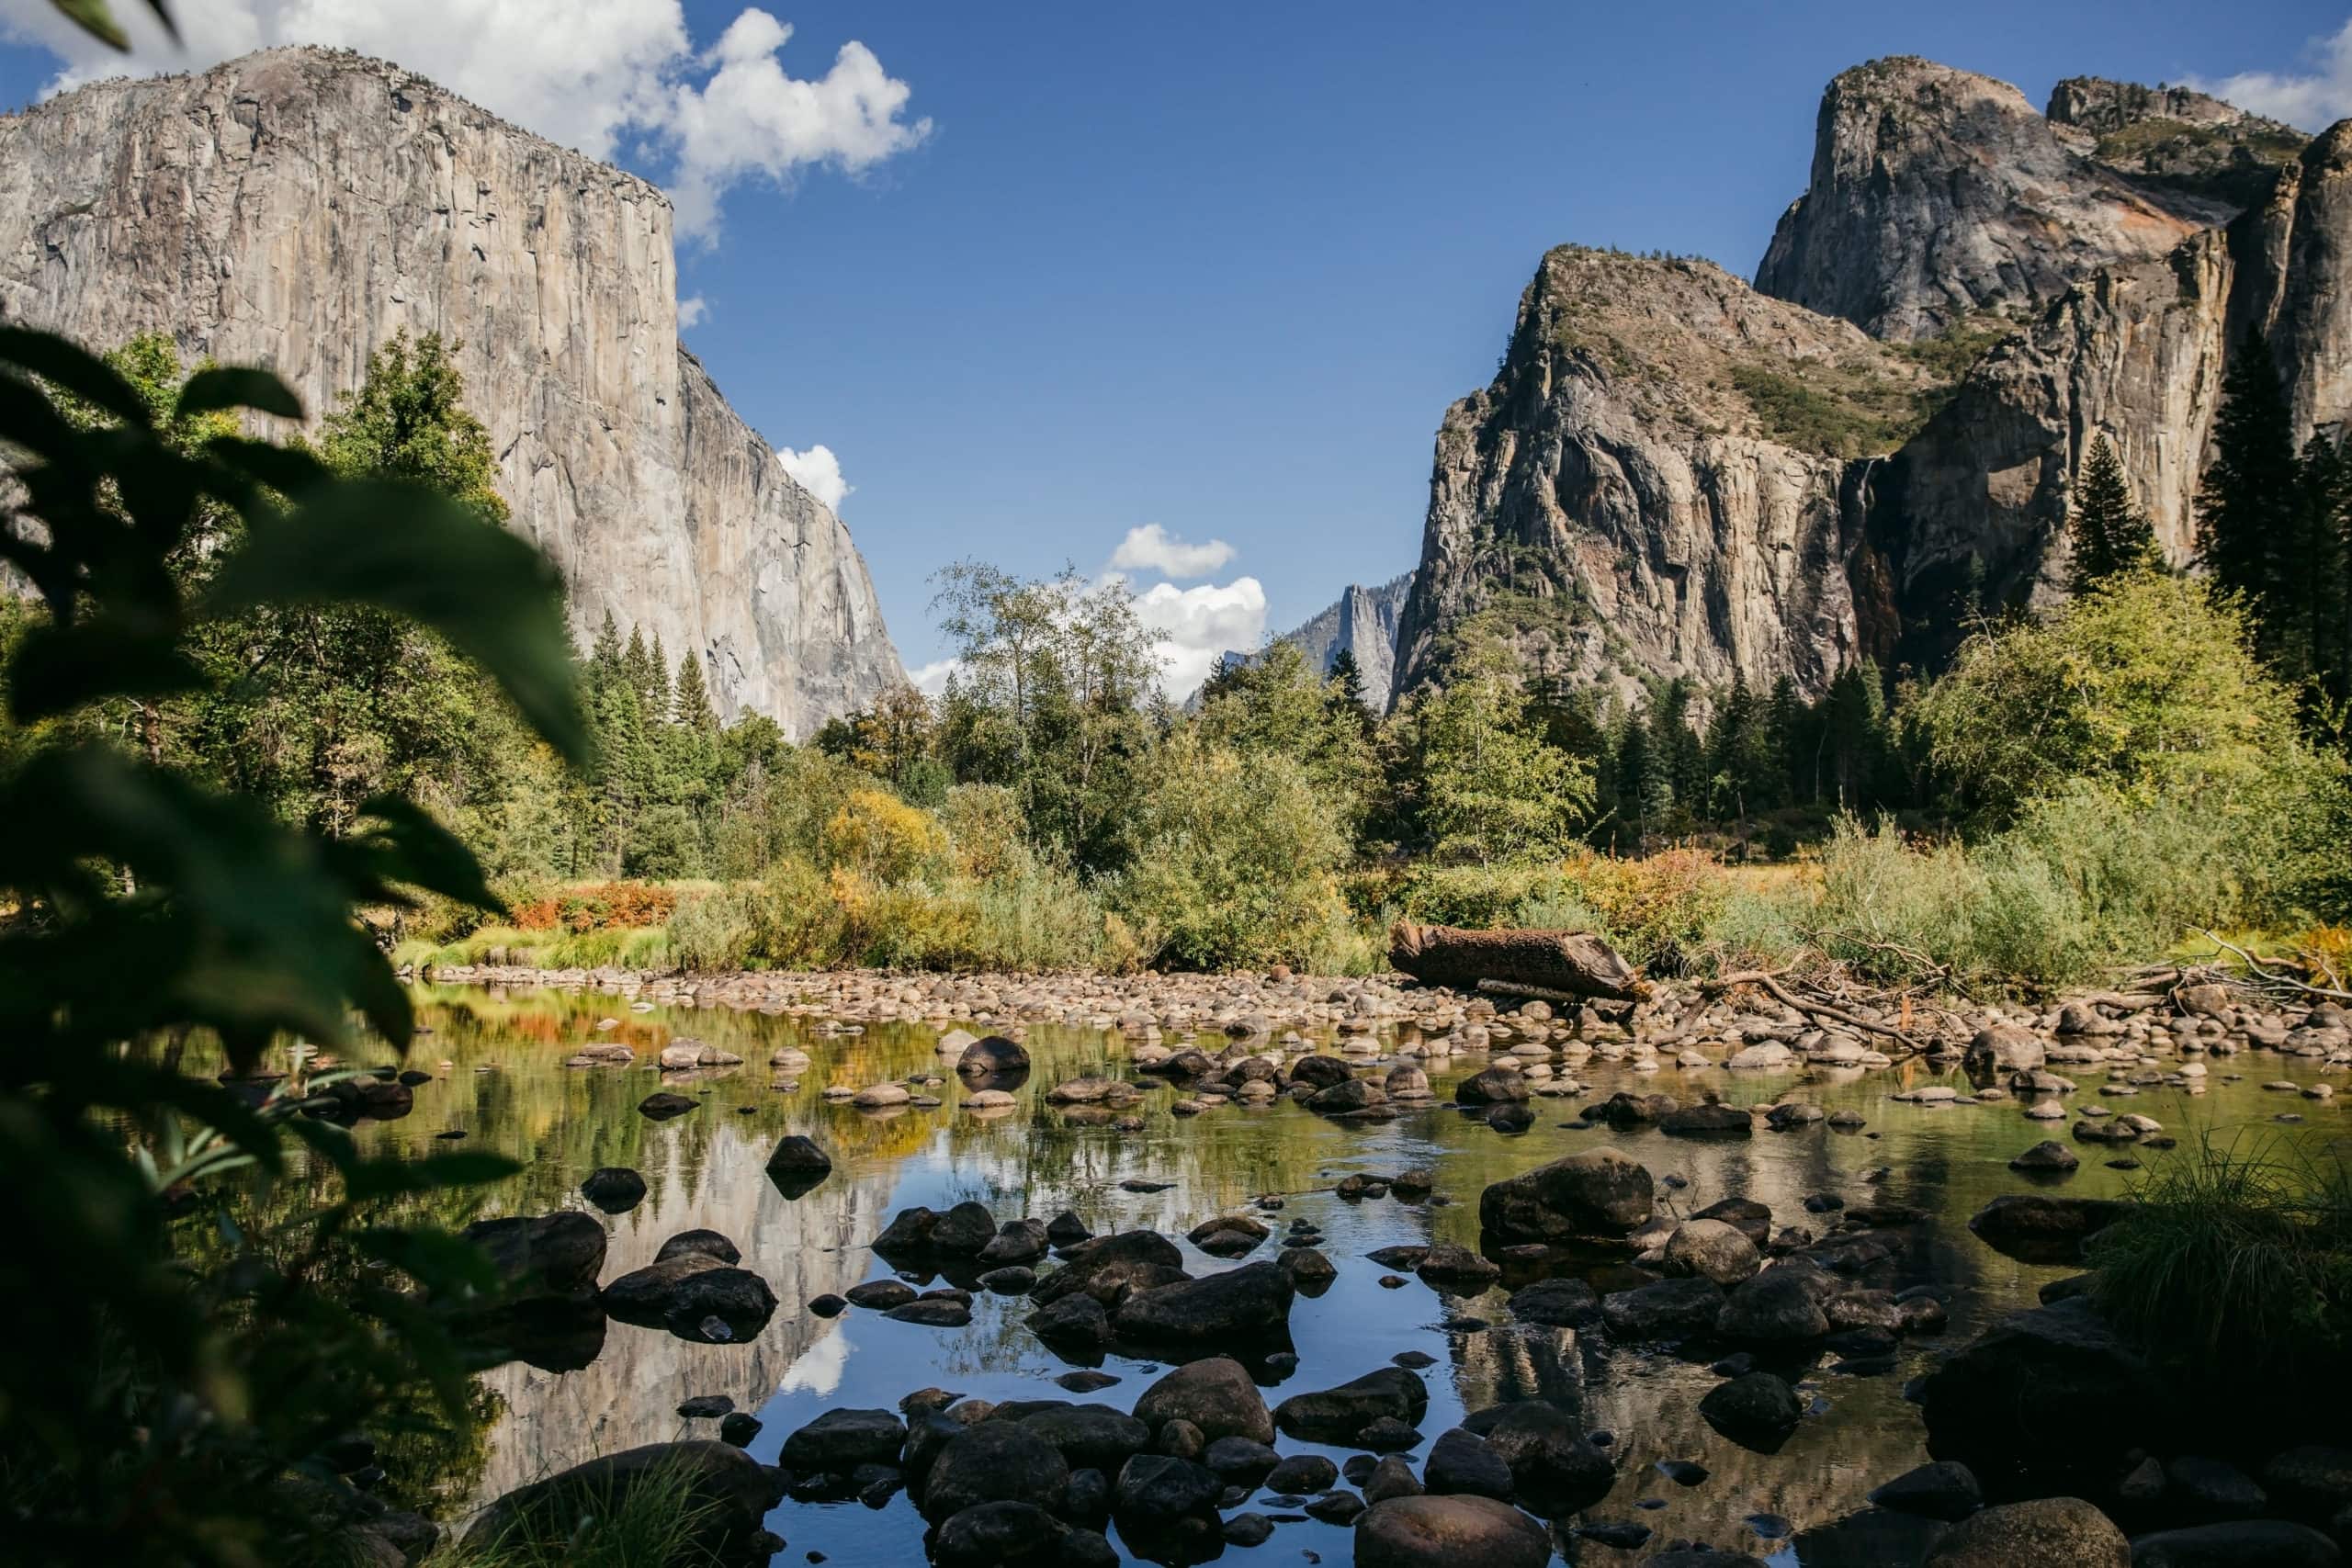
295, 208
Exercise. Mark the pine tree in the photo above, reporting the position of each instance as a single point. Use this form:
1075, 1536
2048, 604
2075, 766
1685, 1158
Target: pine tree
2109, 535
1345, 676
2248, 509
2318, 645
690, 706
604, 660
656, 695
1783, 719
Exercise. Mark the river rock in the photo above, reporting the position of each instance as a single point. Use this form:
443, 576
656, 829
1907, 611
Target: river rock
1757, 1404
963, 1231
613, 1189
1449, 1532
1015, 1242
1215, 1395
995, 1461
2050, 1532
1462, 1461
1558, 1303
987, 1535
1342, 1415
1492, 1086
1668, 1309
1751, 1219
2241, 1543
2047, 1157
2004, 1047
1710, 1249
841, 1441
687, 1290
1708, 1121
986, 1058
1302, 1473
558, 1254
662, 1107
1938, 1490
1596, 1193
1092, 1436
1251, 1301
1156, 1490
2010, 1405
1240, 1461
798, 1165
2035, 1227
1556, 1470
1107, 1266
1457, 1267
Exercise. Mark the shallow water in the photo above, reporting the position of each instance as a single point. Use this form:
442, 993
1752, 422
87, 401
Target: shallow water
496, 1060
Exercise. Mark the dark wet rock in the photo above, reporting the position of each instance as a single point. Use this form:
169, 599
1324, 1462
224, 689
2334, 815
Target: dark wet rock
932, 1311
1450, 1531
2004, 1047
1156, 1490
2311, 1480
694, 1295
1215, 1395
1398, 1256
990, 1058
739, 1491
1015, 1281
1349, 1094
1240, 1461
929, 1431
1755, 1406
1556, 1304
1938, 1490
989, 1534
1388, 1435
705, 1407
2211, 1490
1711, 1249
1107, 1267
2034, 1227
2050, 1532
796, 1165
2011, 1406
739, 1429
2047, 1157
1088, 1498
1781, 1304
1015, 1242
1556, 1470
1248, 1529
1390, 1477
1703, 1557
2244, 1543
1342, 1415
1228, 1238
1457, 1267
1872, 1314
1509, 1118
1075, 1320
1310, 1270
1251, 1301
844, 1439
352, 1100
1751, 1219
995, 1461
881, 1295
613, 1189
908, 1232
662, 1107
1462, 1461
1623, 1535
558, 1254
1668, 1309
1181, 1440
1492, 1086
1706, 1121
1302, 1472
698, 1244
1092, 1437
1066, 1229
963, 1231
1593, 1193
1321, 1071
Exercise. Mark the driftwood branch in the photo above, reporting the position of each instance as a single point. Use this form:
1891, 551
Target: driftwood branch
1578, 964
2272, 972
1770, 980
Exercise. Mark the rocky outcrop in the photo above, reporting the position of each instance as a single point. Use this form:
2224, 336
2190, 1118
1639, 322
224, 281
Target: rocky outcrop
298, 207
1658, 481
1362, 623
2294, 256
1936, 194
2176, 137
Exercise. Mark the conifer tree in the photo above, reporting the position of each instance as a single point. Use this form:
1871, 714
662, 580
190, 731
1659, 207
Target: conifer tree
2247, 521
2317, 644
2109, 535
655, 699
1345, 676
690, 707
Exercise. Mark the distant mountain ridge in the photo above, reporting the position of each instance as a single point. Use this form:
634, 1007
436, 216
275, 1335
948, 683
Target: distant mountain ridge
1363, 622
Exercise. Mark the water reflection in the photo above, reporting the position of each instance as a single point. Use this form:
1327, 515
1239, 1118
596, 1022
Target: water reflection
497, 1075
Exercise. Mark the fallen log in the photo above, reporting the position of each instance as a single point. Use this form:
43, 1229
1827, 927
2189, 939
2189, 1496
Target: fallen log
1570, 964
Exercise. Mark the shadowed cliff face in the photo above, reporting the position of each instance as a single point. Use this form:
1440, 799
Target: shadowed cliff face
295, 208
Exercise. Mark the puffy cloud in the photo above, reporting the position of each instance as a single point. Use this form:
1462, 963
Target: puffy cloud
2312, 100
1196, 625
930, 679
690, 311
1153, 549
818, 471
588, 73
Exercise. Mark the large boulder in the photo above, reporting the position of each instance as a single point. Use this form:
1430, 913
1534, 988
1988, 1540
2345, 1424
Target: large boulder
549, 1255
1708, 1121
1596, 1193
1711, 1249
990, 1058
2013, 1405
695, 1296
1107, 1266
841, 1441
999, 1534
2036, 1228
2004, 1047
1215, 1395
2049, 1532
995, 1461
1554, 1468
1157, 1489
2238, 1543
1462, 1461
1561, 1302
1454, 1530
1492, 1086
738, 1489
1783, 1304
1251, 1301
615, 1188
1092, 1437
1341, 1414
1666, 1309
798, 1166
1938, 1490
1752, 1408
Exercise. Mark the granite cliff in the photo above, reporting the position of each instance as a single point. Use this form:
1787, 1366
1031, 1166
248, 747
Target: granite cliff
1361, 621
1674, 474
296, 207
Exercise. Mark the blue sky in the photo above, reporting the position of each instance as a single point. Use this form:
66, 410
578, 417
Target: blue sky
1221, 268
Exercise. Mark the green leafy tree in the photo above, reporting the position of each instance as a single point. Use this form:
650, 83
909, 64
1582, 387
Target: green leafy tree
2250, 508
2108, 533
1494, 790
1278, 706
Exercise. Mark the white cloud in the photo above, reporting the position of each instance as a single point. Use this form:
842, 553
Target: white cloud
1196, 625
1153, 549
818, 471
930, 679
2312, 101
584, 72
692, 310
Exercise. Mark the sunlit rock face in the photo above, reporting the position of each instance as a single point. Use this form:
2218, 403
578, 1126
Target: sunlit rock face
298, 207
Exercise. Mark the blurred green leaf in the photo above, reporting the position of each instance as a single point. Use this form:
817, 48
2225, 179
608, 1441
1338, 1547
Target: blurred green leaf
417, 553
219, 387
74, 370
393, 1176
58, 669
398, 844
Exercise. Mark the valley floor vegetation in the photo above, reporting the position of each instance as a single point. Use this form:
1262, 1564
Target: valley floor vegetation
2079, 788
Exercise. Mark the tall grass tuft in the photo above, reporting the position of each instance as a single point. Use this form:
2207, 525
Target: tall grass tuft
658, 1520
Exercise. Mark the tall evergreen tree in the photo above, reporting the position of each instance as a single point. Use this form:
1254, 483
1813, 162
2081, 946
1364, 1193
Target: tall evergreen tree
1784, 715
690, 707
655, 699
2109, 535
2248, 508
2316, 643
